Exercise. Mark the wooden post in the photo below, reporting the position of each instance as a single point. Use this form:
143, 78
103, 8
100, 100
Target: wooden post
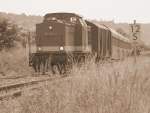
29, 43
135, 57
135, 31
29, 47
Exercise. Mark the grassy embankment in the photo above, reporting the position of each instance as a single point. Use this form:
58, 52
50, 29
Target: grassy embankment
14, 62
120, 87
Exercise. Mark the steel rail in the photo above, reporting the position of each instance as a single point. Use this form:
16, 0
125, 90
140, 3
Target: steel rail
15, 90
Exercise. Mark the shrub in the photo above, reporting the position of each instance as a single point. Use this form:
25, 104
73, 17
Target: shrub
8, 34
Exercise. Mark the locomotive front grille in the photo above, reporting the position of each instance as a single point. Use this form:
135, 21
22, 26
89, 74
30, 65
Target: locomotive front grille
50, 36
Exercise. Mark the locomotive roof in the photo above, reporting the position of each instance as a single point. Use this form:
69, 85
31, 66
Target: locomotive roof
97, 25
64, 14
100, 26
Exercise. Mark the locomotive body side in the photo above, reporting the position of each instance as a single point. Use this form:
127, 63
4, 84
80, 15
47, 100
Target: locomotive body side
107, 43
100, 40
121, 46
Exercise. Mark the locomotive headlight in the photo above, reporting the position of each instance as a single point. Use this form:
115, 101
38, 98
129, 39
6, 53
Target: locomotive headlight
61, 48
39, 49
50, 27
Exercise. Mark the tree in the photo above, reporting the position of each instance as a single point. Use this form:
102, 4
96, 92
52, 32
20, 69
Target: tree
8, 34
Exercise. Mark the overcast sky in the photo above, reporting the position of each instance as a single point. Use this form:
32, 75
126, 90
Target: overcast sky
118, 10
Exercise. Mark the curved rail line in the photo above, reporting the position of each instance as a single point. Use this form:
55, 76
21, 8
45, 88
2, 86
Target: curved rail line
15, 90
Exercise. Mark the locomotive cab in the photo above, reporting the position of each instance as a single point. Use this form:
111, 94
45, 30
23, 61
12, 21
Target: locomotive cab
65, 32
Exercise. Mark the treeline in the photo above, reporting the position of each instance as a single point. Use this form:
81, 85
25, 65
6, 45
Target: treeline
11, 35
24, 21
14, 29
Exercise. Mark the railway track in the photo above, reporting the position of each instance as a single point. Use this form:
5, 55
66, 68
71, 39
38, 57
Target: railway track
14, 90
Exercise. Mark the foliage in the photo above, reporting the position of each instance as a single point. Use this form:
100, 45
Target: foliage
8, 34
14, 62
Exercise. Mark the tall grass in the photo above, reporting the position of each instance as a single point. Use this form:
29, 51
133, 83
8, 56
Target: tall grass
14, 62
120, 87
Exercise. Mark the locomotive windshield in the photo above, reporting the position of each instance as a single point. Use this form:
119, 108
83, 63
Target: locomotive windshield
51, 18
69, 19
64, 17
73, 19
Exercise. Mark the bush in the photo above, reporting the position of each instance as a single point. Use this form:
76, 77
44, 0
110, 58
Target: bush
8, 34
14, 62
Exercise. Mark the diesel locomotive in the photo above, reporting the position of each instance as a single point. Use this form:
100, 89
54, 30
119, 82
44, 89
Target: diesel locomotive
63, 38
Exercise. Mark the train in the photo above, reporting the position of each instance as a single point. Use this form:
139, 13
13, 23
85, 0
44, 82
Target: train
64, 38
